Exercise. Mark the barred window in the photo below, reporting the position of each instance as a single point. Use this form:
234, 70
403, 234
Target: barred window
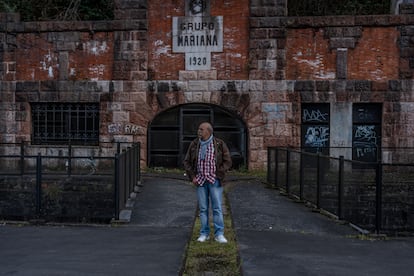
63, 123
366, 132
315, 127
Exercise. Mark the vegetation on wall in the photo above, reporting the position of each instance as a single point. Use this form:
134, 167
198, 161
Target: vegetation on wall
342, 7
38, 10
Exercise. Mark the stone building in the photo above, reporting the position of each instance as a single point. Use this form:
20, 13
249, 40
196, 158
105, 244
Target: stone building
342, 84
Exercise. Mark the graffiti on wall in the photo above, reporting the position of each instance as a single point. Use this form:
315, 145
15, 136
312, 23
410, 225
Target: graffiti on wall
314, 115
366, 132
126, 129
365, 142
315, 127
317, 136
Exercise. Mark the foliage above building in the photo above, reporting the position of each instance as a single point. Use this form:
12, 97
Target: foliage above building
39, 10
343, 7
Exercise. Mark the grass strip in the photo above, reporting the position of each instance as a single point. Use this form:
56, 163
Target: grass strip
211, 257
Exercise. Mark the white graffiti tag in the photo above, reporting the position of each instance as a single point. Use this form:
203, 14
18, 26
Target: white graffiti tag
365, 141
314, 116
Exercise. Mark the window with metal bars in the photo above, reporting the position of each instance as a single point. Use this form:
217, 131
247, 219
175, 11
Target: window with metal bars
315, 127
63, 123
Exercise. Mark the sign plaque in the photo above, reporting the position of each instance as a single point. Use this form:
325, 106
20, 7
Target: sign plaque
197, 35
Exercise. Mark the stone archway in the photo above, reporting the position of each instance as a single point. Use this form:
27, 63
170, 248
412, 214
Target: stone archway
171, 131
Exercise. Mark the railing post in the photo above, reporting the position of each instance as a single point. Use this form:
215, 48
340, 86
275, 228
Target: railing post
126, 176
116, 186
22, 157
129, 165
269, 153
318, 181
38, 183
133, 167
138, 167
378, 195
301, 172
276, 164
340, 186
287, 170
69, 159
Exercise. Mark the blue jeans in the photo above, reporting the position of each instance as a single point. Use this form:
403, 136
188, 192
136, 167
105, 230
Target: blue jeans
205, 193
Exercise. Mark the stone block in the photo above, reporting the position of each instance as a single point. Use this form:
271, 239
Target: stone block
139, 75
353, 31
395, 85
267, 64
207, 74
342, 63
304, 86
265, 22
333, 32
48, 86
344, 42
163, 86
406, 30
179, 86
130, 4
187, 75
406, 8
323, 86
259, 34
217, 85
362, 86
198, 85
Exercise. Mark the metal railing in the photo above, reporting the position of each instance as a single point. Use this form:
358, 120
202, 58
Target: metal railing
373, 196
127, 176
67, 183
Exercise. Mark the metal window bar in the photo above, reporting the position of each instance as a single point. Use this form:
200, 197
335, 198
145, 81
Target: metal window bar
61, 123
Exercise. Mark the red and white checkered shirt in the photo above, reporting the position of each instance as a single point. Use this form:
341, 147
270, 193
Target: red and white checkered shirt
206, 169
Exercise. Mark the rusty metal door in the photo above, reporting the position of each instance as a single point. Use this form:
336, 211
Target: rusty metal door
171, 132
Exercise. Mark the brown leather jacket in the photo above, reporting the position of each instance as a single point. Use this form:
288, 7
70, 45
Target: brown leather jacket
222, 156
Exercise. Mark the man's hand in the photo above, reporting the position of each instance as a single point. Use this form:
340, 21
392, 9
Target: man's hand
195, 182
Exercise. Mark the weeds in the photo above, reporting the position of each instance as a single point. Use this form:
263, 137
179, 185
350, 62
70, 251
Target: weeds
211, 257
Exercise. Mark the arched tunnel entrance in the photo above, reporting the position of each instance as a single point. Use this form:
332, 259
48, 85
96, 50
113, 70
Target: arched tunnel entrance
171, 132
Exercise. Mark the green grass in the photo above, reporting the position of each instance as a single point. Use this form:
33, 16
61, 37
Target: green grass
261, 174
211, 256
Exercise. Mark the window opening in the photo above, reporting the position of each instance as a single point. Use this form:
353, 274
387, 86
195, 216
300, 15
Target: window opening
315, 127
63, 123
366, 132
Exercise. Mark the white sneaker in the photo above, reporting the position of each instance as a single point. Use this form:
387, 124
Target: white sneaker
221, 239
203, 238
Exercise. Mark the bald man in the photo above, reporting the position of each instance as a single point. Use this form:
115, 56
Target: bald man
206, 163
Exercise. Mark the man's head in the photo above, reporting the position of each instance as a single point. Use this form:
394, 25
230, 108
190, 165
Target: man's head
205, 130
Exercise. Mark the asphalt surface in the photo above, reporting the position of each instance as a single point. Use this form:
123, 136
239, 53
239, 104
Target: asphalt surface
276, 236
153, 243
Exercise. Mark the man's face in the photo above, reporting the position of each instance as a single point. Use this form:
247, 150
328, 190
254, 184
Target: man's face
203, 132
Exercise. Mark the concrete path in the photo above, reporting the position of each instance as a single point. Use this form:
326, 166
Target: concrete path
277, 236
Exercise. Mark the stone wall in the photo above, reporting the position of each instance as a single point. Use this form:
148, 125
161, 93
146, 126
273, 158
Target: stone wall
269, 66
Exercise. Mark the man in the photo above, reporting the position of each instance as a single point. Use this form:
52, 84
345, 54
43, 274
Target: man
206, 163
